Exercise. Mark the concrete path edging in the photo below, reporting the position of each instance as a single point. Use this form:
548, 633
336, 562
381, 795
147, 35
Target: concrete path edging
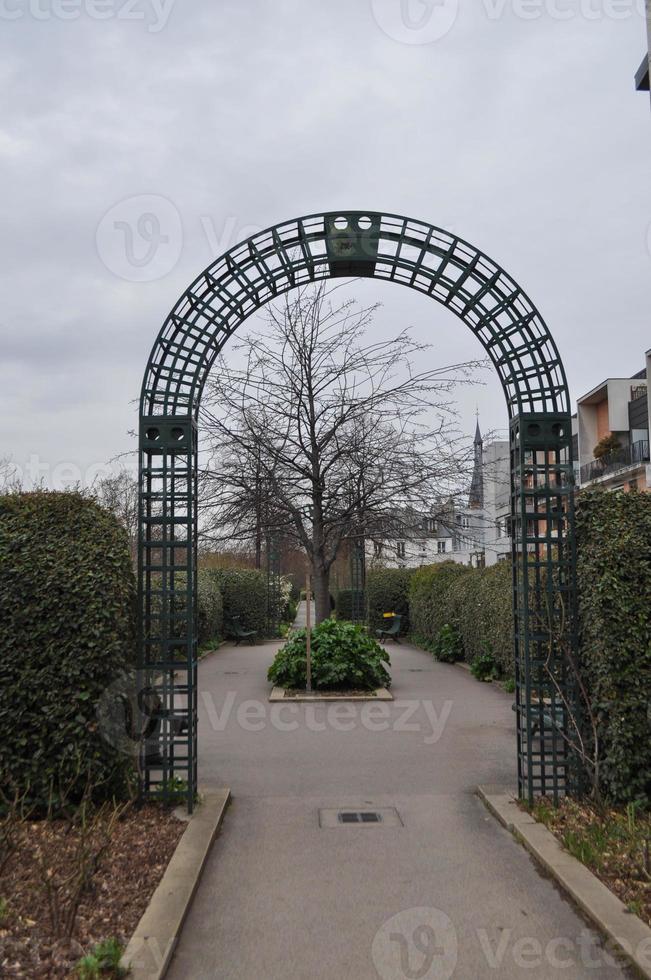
626, 931
381, 694
151, 947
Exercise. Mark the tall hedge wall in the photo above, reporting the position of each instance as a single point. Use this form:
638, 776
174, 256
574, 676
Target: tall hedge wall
614, 570
210, 608
244, 594
429, 610
387, 590
67, 630
481, 609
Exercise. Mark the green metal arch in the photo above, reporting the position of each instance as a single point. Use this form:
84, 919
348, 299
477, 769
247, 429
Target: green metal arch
412, 253
499, 313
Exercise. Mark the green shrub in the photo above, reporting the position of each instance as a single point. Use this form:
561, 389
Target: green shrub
428, 609
347, 601
244, 595
614, 573
103, 961
67, 631
344, 657
447, 647
484, 667
387, 590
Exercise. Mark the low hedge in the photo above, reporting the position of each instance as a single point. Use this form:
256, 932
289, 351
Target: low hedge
67, 632
387, 590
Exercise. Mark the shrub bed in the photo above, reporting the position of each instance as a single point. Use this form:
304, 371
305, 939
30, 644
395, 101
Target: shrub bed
67, 631
387, 590
344, 657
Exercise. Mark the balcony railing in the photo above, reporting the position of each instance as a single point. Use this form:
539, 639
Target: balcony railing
632, 455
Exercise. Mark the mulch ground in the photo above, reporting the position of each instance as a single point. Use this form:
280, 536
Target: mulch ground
127, 875
615, 844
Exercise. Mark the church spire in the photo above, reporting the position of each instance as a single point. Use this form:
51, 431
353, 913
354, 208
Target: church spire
476, 497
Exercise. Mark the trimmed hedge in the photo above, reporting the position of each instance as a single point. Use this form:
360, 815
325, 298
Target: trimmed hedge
482, 612
244, 594
614, 569
211, 608
428, 607
67, 631
387, 590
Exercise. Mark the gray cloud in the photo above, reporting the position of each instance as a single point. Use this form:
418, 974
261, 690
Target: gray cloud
523, 136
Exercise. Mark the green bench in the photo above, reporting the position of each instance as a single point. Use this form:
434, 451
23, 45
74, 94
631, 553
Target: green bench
393, 632
236, 631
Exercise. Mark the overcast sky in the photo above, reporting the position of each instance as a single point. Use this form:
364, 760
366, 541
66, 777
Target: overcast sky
513, 123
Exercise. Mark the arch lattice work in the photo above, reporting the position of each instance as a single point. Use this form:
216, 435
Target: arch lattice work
526, 359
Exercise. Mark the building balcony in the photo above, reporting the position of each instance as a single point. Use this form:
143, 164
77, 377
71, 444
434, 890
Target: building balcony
627, 456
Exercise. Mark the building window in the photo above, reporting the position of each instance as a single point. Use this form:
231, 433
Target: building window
401, 549
431, 525
441, 547
377, 549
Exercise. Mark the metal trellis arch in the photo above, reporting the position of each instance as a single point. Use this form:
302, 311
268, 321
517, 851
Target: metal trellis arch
516, 339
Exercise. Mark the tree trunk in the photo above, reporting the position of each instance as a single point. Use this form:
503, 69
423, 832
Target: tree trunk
321, 587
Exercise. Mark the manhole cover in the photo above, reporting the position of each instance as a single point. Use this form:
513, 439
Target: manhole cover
351, 817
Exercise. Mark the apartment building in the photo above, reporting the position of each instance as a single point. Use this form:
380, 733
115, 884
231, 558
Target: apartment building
613, 422
642, 75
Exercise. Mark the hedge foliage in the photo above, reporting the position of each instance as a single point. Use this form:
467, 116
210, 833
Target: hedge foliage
343, 657
210, 608
387, 590
614, 571
244, 595
481, 609
67, 631
428, 608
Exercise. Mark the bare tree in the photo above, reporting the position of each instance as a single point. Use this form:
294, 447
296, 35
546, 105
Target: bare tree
323, 435
119, 494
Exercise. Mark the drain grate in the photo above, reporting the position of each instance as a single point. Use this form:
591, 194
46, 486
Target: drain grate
369, 817
383, 816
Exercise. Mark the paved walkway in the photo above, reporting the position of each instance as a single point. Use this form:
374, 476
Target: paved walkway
446, 894
301, 614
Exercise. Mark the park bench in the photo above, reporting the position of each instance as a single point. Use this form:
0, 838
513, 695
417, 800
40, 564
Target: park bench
238, 633
393, 632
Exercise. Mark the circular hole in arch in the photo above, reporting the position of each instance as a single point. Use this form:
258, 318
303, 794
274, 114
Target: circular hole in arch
533, 429
153, 434
364, 223
341, 223
177, 433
